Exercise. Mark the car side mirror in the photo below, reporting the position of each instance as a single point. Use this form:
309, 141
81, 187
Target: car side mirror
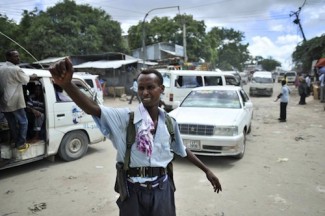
248, 105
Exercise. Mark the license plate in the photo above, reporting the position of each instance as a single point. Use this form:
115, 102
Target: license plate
192, 144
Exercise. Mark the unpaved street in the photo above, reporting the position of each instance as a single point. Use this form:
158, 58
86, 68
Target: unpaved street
282, 173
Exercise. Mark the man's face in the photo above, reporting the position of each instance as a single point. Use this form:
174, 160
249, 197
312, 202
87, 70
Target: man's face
149, 89
14, 58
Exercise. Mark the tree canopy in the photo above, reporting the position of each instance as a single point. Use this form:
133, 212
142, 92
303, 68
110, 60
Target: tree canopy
8, 28
269, 64
223, 48
308, 51
69, 29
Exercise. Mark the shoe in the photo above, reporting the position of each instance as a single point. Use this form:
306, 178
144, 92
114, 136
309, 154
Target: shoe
23, 148
279, 119
283, 120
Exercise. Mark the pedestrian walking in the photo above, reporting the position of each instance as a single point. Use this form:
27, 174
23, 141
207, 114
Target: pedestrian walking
134, 89
284, 99
302, 90
308, 82
322, 84
144, 179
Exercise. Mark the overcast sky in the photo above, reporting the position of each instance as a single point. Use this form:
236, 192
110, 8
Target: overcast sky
266, 24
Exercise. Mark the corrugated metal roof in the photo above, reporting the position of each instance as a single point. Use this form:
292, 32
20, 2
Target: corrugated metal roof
103, 64
169, 52
49, 60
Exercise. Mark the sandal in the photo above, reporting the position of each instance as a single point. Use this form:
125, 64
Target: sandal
23, 148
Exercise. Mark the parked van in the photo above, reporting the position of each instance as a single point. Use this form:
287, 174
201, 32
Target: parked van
93, 82
280, 77
291, 76
261, 84
178, 83
66, 129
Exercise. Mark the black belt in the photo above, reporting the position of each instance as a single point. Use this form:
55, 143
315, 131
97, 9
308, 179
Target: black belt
146, 171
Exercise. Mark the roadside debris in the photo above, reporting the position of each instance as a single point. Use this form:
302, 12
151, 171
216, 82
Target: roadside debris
320, 189
283, 160
298, 138
9, 191
38, 207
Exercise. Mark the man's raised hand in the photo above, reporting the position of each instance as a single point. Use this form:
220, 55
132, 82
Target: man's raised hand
62, 72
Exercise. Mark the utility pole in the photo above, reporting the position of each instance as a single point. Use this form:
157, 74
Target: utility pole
297, 20
144, 53
184, 40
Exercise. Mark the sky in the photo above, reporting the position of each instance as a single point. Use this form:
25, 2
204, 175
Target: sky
267, 24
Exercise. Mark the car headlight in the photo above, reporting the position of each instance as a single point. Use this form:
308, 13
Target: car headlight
226, 131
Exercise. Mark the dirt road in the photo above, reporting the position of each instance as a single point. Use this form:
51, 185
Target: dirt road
282, 173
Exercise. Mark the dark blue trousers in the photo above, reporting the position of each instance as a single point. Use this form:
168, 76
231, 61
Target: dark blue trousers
283, 110
18, 125
147, 201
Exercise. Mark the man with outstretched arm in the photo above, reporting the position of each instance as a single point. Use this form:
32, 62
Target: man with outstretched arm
149, 184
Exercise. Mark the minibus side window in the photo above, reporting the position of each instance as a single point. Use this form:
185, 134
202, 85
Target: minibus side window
213, 80
166, 78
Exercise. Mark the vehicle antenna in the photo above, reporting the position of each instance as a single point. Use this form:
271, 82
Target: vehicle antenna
21, 47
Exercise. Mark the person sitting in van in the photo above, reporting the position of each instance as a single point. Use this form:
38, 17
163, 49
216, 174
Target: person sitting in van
60, 96
35, 111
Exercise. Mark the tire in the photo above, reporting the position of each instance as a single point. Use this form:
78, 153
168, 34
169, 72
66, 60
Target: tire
249, 128
241, 154
74, 145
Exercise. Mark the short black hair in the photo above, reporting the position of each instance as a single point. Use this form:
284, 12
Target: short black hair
283, 82
154, 71
8, 53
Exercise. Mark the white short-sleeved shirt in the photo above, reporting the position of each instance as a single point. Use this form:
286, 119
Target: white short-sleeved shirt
113, 124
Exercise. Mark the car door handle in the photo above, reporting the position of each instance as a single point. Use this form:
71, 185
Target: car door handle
60, 115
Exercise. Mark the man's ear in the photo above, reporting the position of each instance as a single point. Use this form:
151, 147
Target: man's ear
162, 87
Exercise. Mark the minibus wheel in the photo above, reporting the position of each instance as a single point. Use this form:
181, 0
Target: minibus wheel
73, 146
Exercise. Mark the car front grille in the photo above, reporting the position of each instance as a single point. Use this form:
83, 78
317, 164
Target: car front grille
194, 129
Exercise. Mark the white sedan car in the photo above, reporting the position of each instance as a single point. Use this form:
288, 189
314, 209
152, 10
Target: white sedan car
214, 120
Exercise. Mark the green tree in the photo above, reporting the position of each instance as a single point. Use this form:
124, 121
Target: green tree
308, 51
269, 64
227, 48
8, 28
171, 30
71, 29
196, 40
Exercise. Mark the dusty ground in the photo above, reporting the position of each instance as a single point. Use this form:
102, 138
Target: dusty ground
282, 173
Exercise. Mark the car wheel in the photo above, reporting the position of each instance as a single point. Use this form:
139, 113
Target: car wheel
73, 146
241, 154
249, 128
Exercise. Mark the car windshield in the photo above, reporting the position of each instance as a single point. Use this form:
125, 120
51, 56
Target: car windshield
262, 80
212, 99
